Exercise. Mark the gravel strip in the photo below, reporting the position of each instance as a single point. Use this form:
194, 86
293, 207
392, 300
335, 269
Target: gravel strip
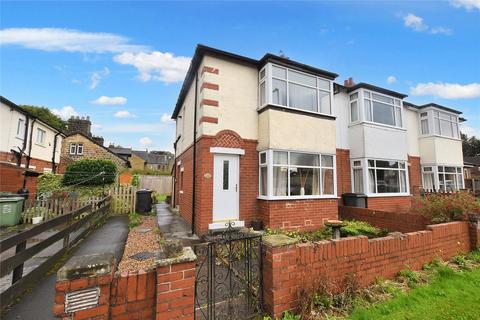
138, 241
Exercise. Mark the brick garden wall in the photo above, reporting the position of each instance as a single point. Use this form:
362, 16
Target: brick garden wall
297, 214
11, 179
395, 204
392, 221
287, 269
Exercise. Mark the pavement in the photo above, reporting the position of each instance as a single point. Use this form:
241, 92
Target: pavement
174, 227
38, 304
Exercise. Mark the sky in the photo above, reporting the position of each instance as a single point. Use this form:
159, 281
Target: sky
122, 63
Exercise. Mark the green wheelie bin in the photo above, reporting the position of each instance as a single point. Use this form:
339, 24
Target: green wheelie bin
10, 210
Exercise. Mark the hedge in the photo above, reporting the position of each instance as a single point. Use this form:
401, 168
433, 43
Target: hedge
87, 172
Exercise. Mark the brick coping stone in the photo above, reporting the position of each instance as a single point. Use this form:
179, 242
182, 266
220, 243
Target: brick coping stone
187, 256
278, 240
87, 266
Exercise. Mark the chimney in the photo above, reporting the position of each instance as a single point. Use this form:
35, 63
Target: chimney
349, 82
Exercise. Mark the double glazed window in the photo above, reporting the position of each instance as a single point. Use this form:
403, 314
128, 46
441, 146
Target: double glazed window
76, 149
20, 128
445, 124
382, 109
294, 89
40, 136
379, 176
443, 178
354, 110
296, 174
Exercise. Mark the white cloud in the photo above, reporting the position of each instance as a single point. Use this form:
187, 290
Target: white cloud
124, 114
416, 23
156, 65
57, 39
97, 76
467, 4
470, 131
447, 90
166, 118
65, 113
104, 100
145, 141
391, 79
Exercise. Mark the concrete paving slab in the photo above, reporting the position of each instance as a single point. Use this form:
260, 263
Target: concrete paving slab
173, 226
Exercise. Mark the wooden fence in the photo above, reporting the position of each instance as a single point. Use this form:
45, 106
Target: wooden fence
160, 184
68, 223
123, 199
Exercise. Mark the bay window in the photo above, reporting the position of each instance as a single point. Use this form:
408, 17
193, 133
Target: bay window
290, 88
288, 174
376, 177
354, 114
445, 124
442, 178
382, 109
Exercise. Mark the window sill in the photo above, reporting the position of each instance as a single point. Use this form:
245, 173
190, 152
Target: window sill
294, 110
382, 195
375, 124
19, 138
438, 136
293, 198
40, 145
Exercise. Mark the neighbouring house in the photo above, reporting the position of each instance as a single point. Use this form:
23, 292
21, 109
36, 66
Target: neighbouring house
28, 147
141, 160
81, 144
125, 153
472, 173
279, 141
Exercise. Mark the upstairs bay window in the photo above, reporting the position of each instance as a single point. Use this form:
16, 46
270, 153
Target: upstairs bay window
445, 124
382, 109
287, 174
294, 89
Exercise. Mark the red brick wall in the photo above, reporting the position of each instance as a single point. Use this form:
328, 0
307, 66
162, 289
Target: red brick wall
288, 269
11, 179
395, 204
392, 221
344, 183
132, 295
184, 188
414, 174
297, 214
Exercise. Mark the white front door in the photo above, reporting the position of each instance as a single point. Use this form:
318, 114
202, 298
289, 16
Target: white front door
225, 187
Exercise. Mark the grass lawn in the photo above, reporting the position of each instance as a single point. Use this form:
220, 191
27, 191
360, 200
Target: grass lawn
449, 296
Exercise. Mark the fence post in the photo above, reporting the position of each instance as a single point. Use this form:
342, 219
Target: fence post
18, 271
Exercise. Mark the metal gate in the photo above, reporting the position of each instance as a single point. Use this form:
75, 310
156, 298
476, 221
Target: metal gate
229, 276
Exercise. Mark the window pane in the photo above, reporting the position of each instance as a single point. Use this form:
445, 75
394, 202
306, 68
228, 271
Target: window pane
327, 181
403, 181
436, 121
387, 164
450, 169
371, 163
263, 158
441, 181
262, 74
398, 117
354, 96
353, 111
262, 93
424, 124
304, 181
357, 163
446, 128
367, 94
455, 130
324, 102
225, 174
301, 97
263, 181
387, 181
371, 181
450, 182
279, 72
302, 78
280, 180
383, 113
382, 98
279, 92
324, 84
280, 157
358, 180
304, 159
327, 161
368, 110
428, 181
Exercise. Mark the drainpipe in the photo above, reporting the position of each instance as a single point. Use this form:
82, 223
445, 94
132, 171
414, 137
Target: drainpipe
29, 153
25, 136
194, 153
54, 167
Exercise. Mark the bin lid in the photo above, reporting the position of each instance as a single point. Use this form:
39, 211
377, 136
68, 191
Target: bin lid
355, 195
11, 199
144, 191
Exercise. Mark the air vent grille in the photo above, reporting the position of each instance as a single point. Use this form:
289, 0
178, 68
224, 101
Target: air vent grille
81, 300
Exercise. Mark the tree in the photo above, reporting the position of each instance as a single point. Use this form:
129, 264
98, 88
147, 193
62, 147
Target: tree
46, 115
470, 146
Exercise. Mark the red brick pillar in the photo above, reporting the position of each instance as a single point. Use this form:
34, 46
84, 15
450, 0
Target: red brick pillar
90, 274
474, 230
176, 287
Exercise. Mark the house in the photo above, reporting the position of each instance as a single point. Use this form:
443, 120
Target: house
279, 141
28, 147
155, 160
79, 143
472, 173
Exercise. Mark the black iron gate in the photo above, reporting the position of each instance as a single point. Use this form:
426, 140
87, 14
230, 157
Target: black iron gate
229, 276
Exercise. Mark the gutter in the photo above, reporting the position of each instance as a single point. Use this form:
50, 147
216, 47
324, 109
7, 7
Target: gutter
194, 153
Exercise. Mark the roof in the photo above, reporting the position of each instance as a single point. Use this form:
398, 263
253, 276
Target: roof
27, 113
433, 105
151, 158
101, 146
368, 86
472, 160
202, 50
121, 150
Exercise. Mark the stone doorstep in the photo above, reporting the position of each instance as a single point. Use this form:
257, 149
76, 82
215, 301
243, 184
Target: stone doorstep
87, 266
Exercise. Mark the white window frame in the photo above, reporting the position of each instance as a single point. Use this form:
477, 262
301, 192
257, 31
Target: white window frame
366, 177
424, 116
437, 116
459, 172
269, 164
40, 136
79, 147
357, 100
74, 145
20, 128
268, 78
396, 107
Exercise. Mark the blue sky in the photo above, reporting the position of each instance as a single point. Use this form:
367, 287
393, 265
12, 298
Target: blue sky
122, 63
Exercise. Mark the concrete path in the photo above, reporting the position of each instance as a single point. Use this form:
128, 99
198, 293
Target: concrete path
38, 304
174, 227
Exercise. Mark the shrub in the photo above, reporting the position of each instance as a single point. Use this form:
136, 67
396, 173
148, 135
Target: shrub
410, 276
354, 228
440, 208
136, 180
87, 172
134, 220
49, 182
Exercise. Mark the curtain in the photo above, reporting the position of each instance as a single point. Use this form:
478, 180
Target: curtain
280, 181
327, 178
316, 182
358, 180
428, 181
371, 181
